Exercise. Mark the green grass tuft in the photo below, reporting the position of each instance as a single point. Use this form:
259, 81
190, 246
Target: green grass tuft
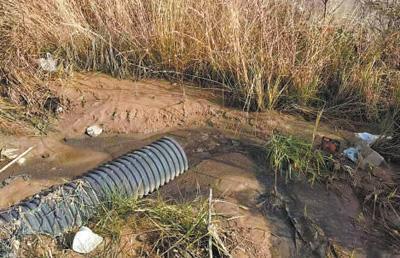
292, 156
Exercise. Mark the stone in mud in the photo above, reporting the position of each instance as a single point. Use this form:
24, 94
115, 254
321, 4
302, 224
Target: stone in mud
94, 130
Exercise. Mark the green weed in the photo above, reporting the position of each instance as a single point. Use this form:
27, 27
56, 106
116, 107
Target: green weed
292, 156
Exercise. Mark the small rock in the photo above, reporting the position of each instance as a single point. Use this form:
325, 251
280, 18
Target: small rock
85, 241
94, 130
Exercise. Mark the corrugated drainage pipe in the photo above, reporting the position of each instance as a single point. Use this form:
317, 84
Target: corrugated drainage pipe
64, 207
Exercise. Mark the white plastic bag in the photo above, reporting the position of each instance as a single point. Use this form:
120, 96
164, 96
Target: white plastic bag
368, 138
85, 241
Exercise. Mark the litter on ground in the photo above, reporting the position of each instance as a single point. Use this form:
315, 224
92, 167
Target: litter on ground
94, 130
48, 64
370, 139
351, 153
85, 241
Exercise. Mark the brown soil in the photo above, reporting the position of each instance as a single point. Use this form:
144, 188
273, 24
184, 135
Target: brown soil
130, 113
123, 106
225, 150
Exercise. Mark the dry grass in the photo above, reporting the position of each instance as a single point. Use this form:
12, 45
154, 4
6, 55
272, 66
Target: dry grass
170, 229
265, 54
141, 228
382, 204
389, 147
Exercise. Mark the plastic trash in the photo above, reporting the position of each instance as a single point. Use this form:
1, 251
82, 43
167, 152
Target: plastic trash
372, 159
368, 138
330, 145
48, 64
85, 241
352, 153
94, 130
366, 155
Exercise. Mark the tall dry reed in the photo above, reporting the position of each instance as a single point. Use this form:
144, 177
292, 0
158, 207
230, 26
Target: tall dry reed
266, 53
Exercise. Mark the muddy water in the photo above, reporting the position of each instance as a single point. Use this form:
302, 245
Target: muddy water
55, 161
304, 221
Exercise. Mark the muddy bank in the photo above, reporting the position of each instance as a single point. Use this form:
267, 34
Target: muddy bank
312, 221
226, 152
131, 114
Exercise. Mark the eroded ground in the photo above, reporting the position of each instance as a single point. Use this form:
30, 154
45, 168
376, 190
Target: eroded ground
225, 148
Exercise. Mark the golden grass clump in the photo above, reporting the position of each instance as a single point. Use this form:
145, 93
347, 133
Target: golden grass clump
266, 53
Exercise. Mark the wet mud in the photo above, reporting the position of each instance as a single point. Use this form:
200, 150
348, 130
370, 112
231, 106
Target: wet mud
226, 153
